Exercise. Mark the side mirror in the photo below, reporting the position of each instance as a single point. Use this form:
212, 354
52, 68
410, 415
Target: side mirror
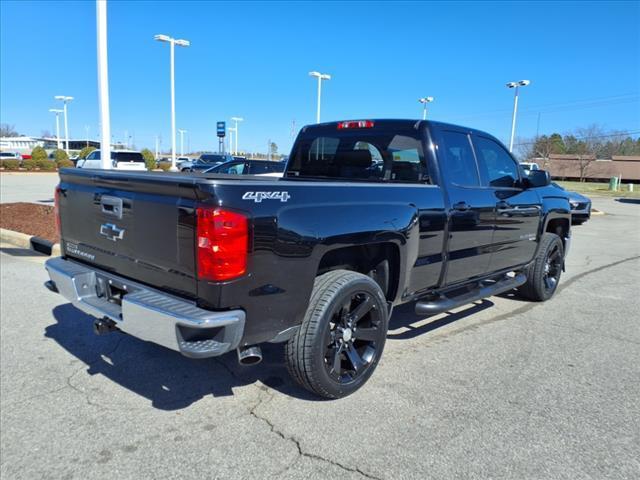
537, 178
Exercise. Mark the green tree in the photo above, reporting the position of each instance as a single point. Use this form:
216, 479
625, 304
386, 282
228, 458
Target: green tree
84, 153
557, 143
38, 154
149, 159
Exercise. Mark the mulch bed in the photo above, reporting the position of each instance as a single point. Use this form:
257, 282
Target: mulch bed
29, 218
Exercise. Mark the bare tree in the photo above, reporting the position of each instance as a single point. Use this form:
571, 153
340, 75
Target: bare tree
45, 134
543, 148
589, 146
7, 130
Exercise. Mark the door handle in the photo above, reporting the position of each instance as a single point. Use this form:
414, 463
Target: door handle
461, 206
502, 205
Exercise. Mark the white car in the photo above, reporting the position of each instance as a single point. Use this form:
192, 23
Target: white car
10, 156
120, 160
530, 166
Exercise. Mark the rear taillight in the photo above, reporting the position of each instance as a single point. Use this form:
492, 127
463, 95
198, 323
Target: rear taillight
355, 124
56, 210
222, 243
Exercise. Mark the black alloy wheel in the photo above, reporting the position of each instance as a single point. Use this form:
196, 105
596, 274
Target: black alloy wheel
342, 336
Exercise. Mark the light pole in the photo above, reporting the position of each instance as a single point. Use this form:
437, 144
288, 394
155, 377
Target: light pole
103, 84
236, 119
516, 85
182, 132
57, 111
65, 100
231, 130
424, 101
320, 77
172, 43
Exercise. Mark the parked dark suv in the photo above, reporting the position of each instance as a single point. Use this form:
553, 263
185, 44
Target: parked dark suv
248, 167
206, 161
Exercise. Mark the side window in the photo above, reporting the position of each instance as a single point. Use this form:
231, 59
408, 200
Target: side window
233, 169
256, 168
458, 160
93, 155
500, 169
406, 156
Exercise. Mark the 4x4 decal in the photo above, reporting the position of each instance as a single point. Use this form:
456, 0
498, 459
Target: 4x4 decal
259, 196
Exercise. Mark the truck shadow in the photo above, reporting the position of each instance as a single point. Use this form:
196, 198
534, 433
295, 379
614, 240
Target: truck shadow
171, 381
167, 379
405, 324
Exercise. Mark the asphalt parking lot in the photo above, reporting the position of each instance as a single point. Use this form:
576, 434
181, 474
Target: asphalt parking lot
498, 389
35, 187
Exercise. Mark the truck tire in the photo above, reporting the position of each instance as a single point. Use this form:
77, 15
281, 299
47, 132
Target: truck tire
342, 335
543, 274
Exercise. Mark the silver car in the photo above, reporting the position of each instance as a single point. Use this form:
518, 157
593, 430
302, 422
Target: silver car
580, 205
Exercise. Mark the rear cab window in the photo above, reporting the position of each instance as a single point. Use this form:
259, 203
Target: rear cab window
380, 153
127, 157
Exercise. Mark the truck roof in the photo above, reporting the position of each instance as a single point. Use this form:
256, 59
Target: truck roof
390, 123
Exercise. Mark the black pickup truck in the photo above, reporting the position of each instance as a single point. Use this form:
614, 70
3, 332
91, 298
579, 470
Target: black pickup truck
370, 214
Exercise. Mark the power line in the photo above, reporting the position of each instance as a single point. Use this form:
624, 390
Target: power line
618, 134
562, 106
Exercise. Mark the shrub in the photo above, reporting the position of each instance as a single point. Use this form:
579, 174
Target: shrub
65, 163
11, 164
30, 164
60, 155
46, 164
164, 166
38, 153
149, 159
84, 153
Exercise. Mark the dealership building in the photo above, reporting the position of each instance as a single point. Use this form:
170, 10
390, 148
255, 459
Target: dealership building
24, 145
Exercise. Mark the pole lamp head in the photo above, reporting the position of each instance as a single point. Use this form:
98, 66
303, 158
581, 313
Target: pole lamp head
321, 76
64, 98
520, 83
55, 110
162, 38
426, 99
182, 43
237, 119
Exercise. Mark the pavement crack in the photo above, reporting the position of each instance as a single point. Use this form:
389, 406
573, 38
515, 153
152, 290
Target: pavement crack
301, 452
88, 365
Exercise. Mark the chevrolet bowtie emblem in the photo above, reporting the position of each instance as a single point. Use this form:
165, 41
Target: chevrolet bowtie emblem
112, 232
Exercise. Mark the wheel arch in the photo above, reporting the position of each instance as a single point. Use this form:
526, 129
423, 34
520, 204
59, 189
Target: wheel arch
380, 261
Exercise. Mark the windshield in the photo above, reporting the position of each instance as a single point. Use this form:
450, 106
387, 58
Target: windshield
372, 154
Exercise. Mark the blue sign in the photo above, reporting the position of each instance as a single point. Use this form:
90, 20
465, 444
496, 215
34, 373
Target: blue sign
221, 128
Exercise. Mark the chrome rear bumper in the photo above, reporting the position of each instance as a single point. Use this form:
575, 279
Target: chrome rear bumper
147, 313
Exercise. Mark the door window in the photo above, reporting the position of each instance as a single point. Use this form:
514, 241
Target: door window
233, 168
459, 162
496, 163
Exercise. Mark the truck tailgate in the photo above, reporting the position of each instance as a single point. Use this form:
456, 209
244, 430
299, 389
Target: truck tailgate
139, 226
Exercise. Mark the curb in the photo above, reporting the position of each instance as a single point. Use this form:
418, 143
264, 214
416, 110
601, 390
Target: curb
596, 212
30, 242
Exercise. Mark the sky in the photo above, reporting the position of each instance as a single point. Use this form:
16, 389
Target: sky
252, 60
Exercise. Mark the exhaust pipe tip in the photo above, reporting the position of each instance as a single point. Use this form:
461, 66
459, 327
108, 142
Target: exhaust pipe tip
251, 355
